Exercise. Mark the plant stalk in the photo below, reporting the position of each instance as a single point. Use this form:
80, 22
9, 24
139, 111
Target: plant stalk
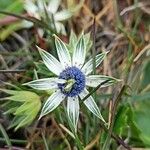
107, 142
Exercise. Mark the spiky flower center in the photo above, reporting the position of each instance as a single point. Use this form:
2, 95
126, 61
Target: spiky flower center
75, 81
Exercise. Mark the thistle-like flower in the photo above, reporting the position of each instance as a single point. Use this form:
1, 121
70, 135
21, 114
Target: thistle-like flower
37, 9
73, 77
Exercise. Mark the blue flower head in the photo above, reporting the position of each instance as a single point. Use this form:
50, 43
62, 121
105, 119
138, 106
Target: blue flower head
72, 74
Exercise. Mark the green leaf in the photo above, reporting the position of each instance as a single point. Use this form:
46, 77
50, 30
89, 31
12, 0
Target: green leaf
16, 120
42, 69
10, 111
9, 29
125, 125
27, 120
11, 6
146, 75
140, 97
24, 108
142, 120
21, 96
22, 105
121, 120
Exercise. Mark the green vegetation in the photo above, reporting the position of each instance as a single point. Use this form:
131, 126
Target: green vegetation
114, 37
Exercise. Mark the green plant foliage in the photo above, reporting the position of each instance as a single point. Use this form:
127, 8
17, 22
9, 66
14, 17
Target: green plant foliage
42, 69
11, 6
142, 120
125, 124
73, 40
142, 105
132, 119
24, 105
121, 121
9, 29
146, 78
123, 30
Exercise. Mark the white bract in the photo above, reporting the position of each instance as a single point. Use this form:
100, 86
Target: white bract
37, 9
73, 78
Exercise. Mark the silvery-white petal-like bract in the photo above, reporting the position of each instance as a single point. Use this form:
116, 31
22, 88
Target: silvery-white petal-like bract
91, 105
79, 53
45, 84
73, 77
52, 102
73, 110
95, 80
51, 62
88, 67
51, 8
63, 53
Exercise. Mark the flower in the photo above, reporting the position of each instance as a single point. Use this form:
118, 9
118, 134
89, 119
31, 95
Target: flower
55, 17
73, 75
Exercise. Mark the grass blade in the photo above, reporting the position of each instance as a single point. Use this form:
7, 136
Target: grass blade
5, 135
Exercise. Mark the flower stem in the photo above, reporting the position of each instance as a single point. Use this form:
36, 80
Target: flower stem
75, 136
93, 47
94, 90
108, 138
45, 141
30, 19
115, 137
78, 142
